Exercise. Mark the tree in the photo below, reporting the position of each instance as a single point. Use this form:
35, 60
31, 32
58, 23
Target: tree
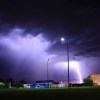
20, 83
2, 85
9, 83
88, 82
1, 80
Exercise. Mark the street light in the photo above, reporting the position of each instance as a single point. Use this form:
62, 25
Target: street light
63, 40
47, 69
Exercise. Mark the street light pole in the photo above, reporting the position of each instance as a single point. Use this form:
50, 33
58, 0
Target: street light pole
68, 60
63, 39
47, 69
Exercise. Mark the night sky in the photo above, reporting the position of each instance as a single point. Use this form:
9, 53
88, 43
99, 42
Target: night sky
30, 34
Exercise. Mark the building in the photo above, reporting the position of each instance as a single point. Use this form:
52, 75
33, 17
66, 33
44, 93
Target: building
95, 78
28, 85
44, 83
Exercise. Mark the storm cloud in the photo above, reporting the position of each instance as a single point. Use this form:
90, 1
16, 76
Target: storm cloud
24, 56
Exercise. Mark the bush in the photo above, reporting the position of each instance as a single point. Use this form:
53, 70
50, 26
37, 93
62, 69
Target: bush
18, 85
2, 85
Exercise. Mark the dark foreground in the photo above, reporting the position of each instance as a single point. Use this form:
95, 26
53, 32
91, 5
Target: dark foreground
33, 94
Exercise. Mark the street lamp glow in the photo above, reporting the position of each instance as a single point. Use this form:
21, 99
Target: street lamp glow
62, 39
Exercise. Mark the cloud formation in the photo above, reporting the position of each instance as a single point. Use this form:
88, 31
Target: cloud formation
27, 51
24, 56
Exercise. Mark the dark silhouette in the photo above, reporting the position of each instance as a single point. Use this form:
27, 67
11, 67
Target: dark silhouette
1, 80
20, 83
88, 82
9, 83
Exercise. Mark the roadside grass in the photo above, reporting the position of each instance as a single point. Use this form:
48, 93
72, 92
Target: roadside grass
51, 93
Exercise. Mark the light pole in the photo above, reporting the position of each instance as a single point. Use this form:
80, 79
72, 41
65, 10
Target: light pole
63, 40
47, 69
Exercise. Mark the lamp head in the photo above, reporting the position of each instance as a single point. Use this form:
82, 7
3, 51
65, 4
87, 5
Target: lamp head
62, 39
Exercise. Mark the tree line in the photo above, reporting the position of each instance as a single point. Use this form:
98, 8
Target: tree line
9, 83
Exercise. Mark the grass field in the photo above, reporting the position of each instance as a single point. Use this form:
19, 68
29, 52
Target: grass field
58, 93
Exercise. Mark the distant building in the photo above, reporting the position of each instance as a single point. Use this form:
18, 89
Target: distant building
44, 83
95, 78
29, 85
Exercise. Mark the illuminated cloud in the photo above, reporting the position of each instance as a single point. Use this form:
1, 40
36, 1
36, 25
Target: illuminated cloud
28, 48
26, 58
73, 65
